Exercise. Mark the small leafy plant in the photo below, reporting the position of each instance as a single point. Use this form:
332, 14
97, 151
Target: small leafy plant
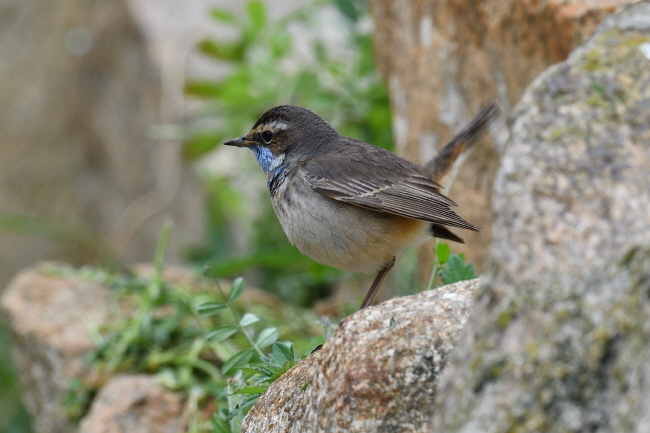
256, 376
449, 268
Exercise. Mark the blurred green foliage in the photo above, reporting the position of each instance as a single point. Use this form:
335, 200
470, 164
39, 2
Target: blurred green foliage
13, 416
337, 79
320, 57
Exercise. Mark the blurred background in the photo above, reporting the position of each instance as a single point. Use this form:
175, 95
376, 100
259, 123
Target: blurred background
114, 112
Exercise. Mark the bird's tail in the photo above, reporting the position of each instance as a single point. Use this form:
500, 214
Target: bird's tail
443, 162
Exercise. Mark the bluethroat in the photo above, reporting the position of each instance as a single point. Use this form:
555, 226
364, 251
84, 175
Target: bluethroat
349, 204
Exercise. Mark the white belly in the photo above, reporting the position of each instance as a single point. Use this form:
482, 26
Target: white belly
342, 235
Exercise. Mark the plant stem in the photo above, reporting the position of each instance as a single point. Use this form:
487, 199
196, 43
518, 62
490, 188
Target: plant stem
436, 267
235, 316
153, 289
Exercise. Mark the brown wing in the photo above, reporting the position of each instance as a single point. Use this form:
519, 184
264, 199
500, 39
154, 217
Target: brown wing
376, 179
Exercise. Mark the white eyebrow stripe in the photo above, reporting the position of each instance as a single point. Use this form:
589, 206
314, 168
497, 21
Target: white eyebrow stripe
276, 125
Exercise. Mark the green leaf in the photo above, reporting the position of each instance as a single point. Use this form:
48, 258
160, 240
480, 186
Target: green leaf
456, 270
237, 359
227, 51
223, 15
239, 92
242, 407
443, 251
260, 370
281, 353
257, 13
236, 289
280, 44
211, 308
267, 337
248, 319
348, 9
279, 372
248, 403
220, 333
203, 89
250, 390
200, 144
248, 372
219, 425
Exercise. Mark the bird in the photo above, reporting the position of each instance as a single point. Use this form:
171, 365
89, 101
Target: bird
349, 204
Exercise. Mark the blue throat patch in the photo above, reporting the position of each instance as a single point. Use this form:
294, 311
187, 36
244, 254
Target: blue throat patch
272, 165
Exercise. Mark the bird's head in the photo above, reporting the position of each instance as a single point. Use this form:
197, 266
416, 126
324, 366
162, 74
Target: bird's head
287, 134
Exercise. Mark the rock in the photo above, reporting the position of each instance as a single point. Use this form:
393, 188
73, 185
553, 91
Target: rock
81, 179
559, 337
570, 358
50, 319
377, 372
443, 59
572, 189
134, 404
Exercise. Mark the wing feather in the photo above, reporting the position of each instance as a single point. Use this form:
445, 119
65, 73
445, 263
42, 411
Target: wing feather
396, 186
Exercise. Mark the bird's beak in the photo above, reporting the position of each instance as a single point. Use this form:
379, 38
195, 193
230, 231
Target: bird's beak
239, 142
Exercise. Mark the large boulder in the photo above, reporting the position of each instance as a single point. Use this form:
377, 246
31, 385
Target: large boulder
559, 338
377, 373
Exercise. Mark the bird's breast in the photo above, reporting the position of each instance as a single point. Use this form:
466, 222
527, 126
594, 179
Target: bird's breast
339, 234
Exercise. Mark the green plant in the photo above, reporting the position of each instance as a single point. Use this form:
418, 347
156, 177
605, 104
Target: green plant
257, 376
13, 416
289, 61
450, 268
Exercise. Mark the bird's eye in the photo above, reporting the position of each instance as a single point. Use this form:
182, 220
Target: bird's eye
267, 136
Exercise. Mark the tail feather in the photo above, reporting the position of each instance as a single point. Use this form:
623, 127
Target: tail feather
442, 232
444, 160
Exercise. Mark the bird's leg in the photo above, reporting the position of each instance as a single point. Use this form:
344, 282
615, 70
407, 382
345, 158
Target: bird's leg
377, 284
